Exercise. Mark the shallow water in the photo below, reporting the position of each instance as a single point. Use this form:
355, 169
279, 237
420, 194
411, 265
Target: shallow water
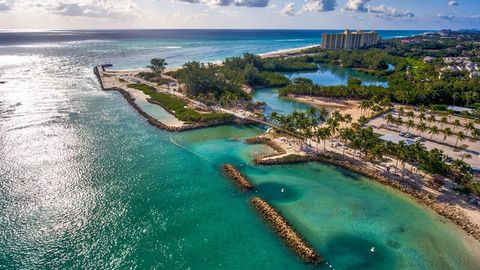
333, 75
87, 183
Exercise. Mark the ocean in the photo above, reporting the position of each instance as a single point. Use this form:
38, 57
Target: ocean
87, 183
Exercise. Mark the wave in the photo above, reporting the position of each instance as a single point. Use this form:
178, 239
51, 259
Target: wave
290, 40
288, 50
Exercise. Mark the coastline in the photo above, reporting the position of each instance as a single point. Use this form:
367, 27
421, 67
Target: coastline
176, 127
464, 221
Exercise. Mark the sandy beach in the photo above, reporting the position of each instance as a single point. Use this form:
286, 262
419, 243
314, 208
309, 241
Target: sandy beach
344, 106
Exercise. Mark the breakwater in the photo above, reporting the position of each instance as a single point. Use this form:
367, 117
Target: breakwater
267, 141
154, 122
288, 234
421, 196
288, 159
237, 177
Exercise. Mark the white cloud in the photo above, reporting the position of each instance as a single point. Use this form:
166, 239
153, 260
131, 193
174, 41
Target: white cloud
357, 5
452, 3
4, 5
389, 12
289, 9
238, 3
381, 11
451, 17
87, 8
319, 5
446, 16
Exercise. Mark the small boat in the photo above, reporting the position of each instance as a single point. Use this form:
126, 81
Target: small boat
3, 82
282, 190
372, 249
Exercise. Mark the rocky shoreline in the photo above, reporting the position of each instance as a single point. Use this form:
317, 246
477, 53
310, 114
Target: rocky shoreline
288, 234
267, 141
451, 212
155, 122
234, 174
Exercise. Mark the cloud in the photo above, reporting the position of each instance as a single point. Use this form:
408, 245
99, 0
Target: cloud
452, 3
357, 5
238, 3
289, 9
446, 16
4, 5
319, 5
469, 18
389, 12
87, 8
381, 11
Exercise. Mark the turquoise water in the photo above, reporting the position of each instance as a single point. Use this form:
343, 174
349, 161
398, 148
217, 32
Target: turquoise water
334, 75
326, 75
87, 183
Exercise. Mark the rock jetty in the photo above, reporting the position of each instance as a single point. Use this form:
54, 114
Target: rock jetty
449, 211
154, 122
288, 234
237, 177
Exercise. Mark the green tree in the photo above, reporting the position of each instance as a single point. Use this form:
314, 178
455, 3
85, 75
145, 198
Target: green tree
158, 66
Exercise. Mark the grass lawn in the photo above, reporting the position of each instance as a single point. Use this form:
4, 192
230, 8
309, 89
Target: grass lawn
178, 105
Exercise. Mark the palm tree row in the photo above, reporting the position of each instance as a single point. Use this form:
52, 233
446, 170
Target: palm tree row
372, 148
369, 145
433, 130
375, 105
307, 124
444, 119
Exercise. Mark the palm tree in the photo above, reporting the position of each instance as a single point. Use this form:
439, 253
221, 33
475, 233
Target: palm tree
322, 114
447, 132
444, 121
422, 127
365, 105
456, 124
470, 126
401, 111
434, 130
399, 121
274, 117
324, 134
476, 133
347, 118
389, 117
431, 119
409, 124
410, 114
422, 117
346, 134
402, 154
449, 114
460, 136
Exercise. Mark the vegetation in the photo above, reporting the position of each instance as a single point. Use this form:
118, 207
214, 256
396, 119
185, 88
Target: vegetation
369, 146
158, 66
179, 107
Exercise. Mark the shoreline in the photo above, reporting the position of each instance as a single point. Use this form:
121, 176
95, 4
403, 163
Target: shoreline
154, 121
454, 214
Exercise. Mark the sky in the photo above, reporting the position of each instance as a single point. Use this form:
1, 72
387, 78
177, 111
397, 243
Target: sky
243, 14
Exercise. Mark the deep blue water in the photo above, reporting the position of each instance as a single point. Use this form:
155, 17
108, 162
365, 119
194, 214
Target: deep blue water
133, 48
